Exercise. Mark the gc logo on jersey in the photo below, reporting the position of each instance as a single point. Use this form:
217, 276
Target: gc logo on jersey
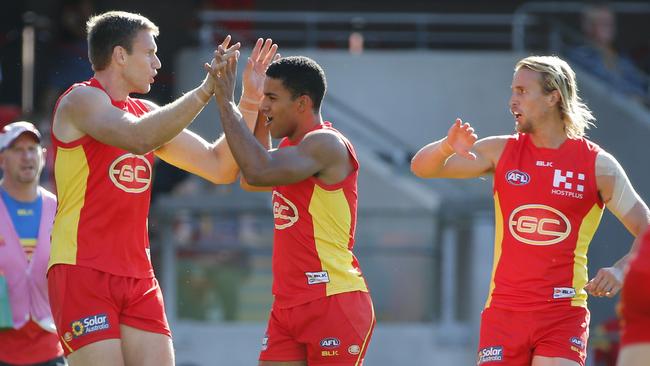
538, 225
131, 173
285, 212
517, 177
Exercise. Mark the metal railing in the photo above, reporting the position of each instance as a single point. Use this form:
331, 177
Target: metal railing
194, 233
395, 30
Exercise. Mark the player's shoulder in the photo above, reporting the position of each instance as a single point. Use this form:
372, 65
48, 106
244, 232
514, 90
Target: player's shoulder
324, 145
499, 139
606, 163
592, 146
324, 138
494, 143
83, 96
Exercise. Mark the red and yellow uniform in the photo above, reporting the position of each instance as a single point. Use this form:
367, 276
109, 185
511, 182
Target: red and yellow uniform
547, 209
100, 237
104, 195
316, 277
635, 297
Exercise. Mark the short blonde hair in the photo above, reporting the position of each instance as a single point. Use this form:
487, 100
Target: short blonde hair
556, 74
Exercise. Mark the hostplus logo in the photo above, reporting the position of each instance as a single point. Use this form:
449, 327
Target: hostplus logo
568, 184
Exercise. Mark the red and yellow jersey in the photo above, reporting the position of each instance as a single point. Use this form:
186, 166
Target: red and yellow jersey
314, 237
547, 209
104, 194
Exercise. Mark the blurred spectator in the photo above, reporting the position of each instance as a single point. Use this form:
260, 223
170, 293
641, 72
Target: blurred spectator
27, 210
599, 56
11, 24
69, 58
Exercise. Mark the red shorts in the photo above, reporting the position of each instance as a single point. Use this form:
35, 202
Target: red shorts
635, 307
515, 337
89, 305
333, 330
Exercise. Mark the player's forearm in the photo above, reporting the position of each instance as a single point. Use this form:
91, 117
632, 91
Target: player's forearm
250, 155
262, 133
621, 264
430, 160
249, 107
638, 231
158, 127
227, 168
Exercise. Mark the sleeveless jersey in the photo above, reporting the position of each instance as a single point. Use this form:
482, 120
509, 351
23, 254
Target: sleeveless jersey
104, 194
314, 236
547, 209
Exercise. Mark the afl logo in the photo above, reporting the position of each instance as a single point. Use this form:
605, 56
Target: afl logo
330, 342
131, 173
285, 212
538, 225
517, 177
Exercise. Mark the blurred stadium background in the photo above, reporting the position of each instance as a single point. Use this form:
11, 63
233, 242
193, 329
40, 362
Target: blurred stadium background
398, 73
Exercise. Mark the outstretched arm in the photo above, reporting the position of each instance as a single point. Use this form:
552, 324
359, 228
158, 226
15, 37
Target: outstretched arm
89, 111
317, 151
458, 155
622, 200
214, 161
263, 136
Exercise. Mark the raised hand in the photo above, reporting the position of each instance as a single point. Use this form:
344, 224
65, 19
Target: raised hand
225, 76
461, 139
264, 52
608, 282
220, 58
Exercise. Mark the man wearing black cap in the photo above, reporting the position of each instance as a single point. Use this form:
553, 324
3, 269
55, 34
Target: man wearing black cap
28, 335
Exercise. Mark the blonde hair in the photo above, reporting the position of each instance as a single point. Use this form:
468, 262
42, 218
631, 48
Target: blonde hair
556, 74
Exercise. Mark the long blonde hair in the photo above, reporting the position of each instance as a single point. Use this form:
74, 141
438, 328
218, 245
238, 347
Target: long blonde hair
556, 74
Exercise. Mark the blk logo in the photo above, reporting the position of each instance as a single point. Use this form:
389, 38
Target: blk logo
566, 180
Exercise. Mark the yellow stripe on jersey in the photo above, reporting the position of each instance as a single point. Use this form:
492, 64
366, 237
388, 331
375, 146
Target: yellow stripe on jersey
71, 175
580, 275
498, 239
332, 222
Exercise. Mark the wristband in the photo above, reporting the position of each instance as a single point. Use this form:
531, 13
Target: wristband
250, 100
446, 143
200, 90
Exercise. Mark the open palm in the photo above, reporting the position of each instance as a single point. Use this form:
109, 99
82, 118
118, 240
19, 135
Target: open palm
254, 74
461, 138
